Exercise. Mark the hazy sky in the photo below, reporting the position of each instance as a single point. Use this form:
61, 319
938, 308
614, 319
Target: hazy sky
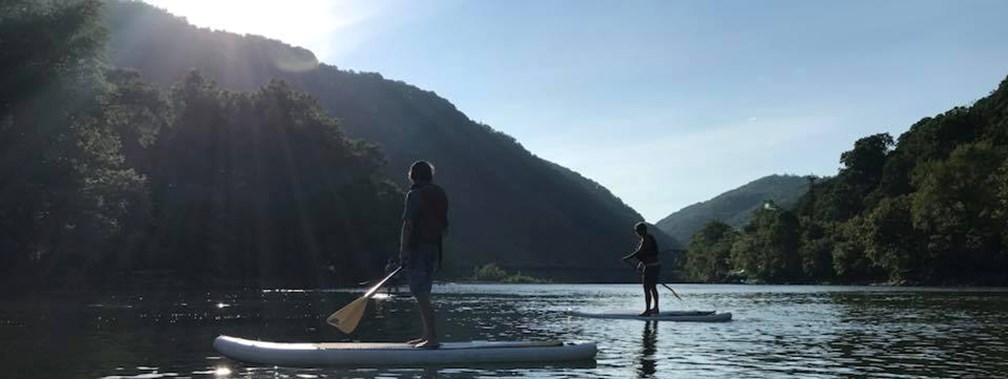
666, 103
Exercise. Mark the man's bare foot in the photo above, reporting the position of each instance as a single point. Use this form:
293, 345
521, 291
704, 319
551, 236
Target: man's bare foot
416, 341
645, 313
428, 345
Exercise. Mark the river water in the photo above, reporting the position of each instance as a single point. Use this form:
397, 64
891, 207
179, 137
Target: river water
777, 332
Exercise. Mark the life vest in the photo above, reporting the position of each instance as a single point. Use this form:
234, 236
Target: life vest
432, 218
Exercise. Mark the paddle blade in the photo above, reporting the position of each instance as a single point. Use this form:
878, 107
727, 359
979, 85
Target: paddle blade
347, 318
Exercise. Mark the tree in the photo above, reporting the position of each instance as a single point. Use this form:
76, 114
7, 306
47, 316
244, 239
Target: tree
850, 261
892, 243
864, 163
958, 207
767, 248
815, 250
860, 175
1001, 180
262, 188
709, 252
66, 188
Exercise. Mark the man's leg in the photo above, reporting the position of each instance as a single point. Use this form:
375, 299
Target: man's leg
654, 291
415, 279
647, 300
430, 339
424, 336
423, 296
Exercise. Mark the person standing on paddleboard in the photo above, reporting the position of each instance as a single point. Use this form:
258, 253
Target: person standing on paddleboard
391, 265
425, 219
647, 256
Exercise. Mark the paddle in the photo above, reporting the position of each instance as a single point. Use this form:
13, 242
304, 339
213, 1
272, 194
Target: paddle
670, 289
347, 318
663, 284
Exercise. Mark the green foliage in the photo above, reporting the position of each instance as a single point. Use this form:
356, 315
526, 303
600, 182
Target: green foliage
861, 174
262, 188
708, 258
107, 174
892, 243
814, 249
1001, 181
865, 161
958, 208
930, 210
66, 190
767, 248
491, 272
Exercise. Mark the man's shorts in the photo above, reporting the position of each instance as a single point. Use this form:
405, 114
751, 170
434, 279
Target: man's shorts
650, 275
420, 272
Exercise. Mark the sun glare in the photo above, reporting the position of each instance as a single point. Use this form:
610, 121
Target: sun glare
307, 23
222, 371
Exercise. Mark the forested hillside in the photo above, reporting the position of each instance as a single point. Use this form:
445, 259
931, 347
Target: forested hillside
734, 207
930, 208
111, 181
507, 205
168, 176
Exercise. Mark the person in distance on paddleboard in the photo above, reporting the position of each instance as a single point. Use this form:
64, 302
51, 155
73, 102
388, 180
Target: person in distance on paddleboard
425, 219
647, 256
390, 265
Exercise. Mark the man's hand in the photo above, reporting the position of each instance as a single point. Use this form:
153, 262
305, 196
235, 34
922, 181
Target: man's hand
403, 259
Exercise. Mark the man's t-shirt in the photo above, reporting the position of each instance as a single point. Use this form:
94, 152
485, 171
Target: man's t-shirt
647, 250
427, 208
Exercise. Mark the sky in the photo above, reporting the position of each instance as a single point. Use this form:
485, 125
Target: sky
666, 103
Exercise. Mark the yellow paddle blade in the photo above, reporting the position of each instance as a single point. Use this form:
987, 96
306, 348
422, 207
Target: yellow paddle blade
347, 318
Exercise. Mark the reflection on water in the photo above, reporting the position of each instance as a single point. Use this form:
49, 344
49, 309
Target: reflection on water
779, 331
647, 352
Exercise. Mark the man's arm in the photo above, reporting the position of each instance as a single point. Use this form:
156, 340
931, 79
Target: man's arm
406, 233
635, 253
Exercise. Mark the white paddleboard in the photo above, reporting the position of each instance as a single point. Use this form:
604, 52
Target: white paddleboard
372, 354
693, 316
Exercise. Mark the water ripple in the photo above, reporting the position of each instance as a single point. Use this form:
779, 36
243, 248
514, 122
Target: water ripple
779, 331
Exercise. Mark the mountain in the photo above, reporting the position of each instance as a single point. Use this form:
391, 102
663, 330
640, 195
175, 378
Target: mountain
506, 204
734, 207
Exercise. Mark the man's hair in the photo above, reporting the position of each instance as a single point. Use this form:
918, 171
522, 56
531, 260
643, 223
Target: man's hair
421, 171
640, 227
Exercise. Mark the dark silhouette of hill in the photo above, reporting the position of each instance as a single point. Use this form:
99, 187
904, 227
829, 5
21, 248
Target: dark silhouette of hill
507, 205
734, 207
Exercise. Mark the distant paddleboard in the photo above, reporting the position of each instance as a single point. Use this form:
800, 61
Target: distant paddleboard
692, 316
378, 354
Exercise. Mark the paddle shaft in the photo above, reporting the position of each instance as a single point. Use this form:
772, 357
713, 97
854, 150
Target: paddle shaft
382, 282
664, 285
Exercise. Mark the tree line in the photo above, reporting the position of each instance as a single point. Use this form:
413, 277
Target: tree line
105, 174
928, 208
